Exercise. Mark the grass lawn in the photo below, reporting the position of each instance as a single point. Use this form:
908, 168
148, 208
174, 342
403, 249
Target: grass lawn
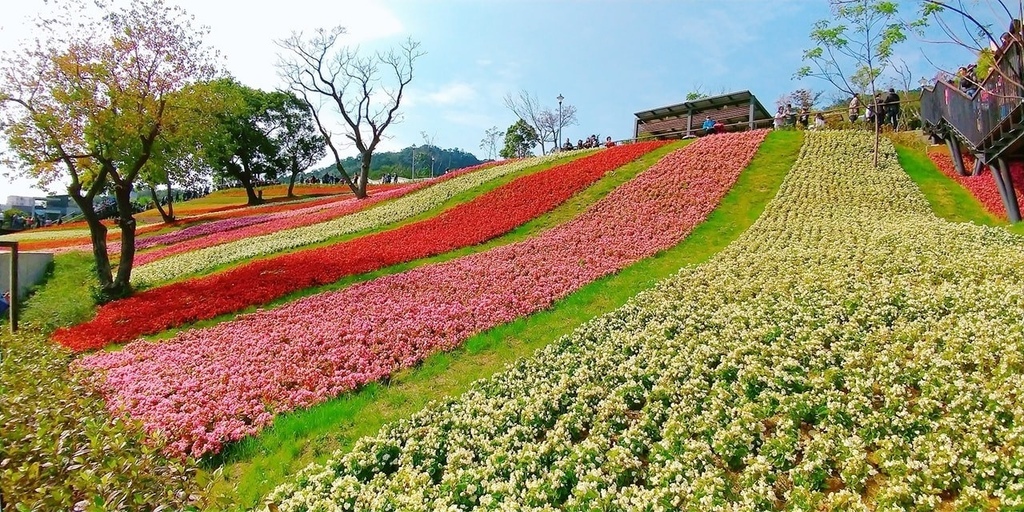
253, 467
947, 198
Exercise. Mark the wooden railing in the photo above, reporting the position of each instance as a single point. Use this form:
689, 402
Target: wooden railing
977, 113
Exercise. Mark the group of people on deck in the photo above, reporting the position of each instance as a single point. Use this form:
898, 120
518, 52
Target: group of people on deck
591, 142
880, 111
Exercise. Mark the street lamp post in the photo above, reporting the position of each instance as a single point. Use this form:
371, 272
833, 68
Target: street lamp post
558, 139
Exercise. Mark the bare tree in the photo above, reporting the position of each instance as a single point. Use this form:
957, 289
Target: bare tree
366, 90
490, 141
547, 122
428, 142
802, 98
854, 47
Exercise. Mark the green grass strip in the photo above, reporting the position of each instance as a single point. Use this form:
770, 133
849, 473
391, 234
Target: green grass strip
65, 297
949, 200
253, 467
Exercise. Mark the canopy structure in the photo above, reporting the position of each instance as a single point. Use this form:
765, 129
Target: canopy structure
736, 110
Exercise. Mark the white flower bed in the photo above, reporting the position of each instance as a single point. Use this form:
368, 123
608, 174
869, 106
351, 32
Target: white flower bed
850, 351
392, 211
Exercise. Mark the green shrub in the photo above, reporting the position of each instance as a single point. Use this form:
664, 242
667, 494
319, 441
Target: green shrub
59, 447
61, 450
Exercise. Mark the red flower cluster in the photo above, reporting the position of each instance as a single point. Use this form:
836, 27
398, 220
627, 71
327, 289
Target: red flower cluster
982, 187
259, 282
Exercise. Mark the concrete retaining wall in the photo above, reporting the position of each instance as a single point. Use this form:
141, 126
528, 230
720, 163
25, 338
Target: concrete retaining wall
31, 269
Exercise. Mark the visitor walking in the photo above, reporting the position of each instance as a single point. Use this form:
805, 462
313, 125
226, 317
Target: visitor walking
892, 108
854, 108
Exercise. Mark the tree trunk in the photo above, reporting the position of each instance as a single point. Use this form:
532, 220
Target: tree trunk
364, 175
170, 199
244, 175
122, 286
249, 191
168, 218
295, 174
98, 234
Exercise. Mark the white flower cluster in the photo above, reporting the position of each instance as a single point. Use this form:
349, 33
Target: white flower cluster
49, 234
388, 212
850, 351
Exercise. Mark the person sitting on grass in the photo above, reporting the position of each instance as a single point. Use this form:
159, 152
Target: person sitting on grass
708, 126
609, 143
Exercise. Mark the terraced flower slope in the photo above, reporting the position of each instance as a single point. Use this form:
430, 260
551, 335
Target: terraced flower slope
405, 207
262, 281
849, 352
209, 386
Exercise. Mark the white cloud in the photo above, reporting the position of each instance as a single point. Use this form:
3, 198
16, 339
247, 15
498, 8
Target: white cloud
453, 93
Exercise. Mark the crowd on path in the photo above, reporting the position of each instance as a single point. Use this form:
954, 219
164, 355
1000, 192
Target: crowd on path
881, 110
592, 142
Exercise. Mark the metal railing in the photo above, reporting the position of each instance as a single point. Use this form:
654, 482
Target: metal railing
976, 113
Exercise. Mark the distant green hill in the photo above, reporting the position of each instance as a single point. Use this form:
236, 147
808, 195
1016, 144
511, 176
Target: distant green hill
429, 160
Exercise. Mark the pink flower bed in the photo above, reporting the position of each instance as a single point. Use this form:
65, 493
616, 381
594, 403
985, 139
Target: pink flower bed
219, 226
982, 187
210, 386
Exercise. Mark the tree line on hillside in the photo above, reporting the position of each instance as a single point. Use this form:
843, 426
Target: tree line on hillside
429, 161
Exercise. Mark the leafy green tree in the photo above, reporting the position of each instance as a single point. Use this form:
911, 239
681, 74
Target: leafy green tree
297, 140
520, 139
86, 103
853, 48
238, 146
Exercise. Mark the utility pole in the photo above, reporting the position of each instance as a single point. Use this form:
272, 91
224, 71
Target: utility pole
558, 139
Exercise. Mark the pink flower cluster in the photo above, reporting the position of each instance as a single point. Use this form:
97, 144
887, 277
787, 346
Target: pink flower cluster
305, 217
219, 226
215, 385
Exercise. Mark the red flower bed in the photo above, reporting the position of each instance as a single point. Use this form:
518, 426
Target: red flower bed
259, 282
982, 187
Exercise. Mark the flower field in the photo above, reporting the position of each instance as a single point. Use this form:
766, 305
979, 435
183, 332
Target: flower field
849, 352
291, 220
209, 386
982, 187
467, 224
204, 259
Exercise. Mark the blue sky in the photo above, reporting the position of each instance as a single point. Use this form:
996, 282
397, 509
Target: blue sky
608, 58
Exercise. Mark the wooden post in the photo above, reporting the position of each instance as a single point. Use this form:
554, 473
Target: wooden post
689, 122
13, 309
751, 112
